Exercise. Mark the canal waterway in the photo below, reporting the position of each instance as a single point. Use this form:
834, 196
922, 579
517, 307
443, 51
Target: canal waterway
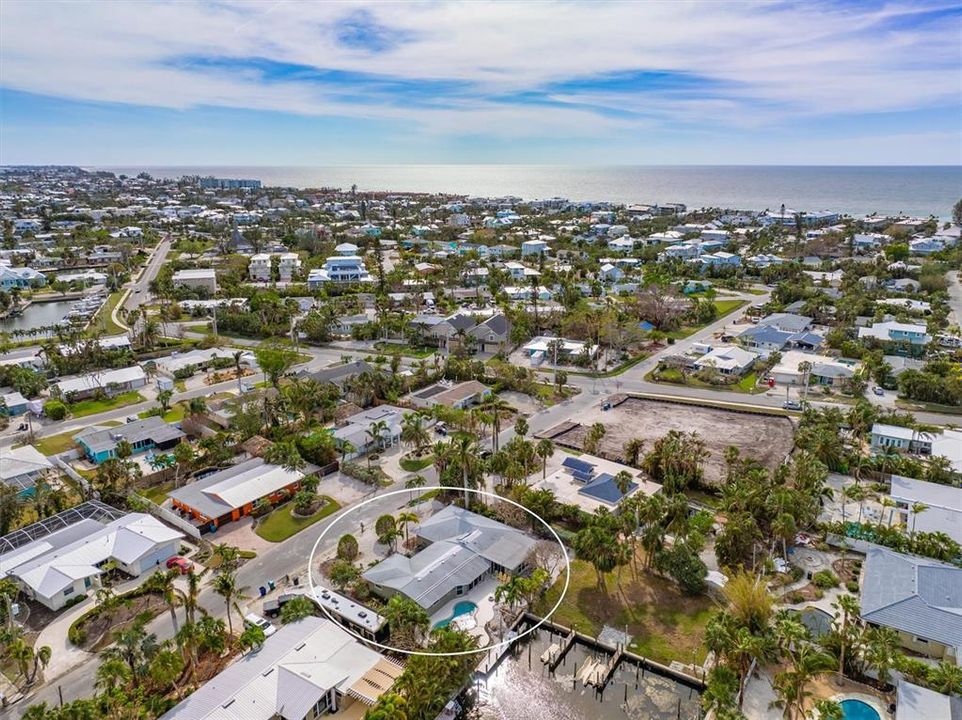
522, 688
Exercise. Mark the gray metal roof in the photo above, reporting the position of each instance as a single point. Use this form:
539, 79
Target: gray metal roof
152, 428
463, 547
339, 374
914, 595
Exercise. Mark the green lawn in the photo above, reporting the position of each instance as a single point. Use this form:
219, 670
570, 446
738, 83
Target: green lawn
665, 624
724, 307
410, 351
748, 384
157, 493
410, 464
92, 407
56, 444
280, 524
103, 318
175, 414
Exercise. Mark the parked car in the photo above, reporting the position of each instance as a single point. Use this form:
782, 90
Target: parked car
132, 418
792, 405
878, 391
441, 429
181, 563
255, 620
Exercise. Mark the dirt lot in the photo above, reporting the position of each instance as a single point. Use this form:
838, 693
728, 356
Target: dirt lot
767, 438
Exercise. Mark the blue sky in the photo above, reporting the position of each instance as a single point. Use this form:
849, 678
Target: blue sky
291, 83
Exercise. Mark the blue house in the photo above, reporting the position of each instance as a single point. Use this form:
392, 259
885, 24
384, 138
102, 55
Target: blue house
13, 404
100, 444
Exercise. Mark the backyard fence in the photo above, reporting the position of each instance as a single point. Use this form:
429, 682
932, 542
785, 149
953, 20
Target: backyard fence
167, 516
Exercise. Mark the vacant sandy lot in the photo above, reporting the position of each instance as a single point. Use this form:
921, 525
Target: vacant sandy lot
766, 438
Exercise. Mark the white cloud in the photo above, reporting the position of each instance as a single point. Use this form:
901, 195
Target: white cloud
766, 61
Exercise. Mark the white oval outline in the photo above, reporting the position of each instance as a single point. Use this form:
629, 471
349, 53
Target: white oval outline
391, 648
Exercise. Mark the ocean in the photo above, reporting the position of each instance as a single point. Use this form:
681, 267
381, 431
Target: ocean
922, 191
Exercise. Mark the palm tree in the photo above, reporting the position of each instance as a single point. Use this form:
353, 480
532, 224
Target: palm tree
225, 585
749, 601
917, 509
466, 454
496, 407
544, 449
297, 608
632, 450
165, 668
163, 584
414, 433
846, 610
406, 518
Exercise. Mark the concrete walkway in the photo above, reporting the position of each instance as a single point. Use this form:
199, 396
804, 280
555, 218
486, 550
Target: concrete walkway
65, 656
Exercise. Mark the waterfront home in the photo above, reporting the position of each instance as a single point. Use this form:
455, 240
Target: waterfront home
459, 549
306, 670
20, 277
82, 277
919, 598
107, 343
110, 382
234, 492
196, 279
942, 506
358, 431
65, 564
896, 332
152, 433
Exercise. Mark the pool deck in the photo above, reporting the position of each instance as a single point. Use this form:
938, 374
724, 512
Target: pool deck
479, 595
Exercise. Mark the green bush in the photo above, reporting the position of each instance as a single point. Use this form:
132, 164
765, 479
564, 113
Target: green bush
852, 586
55, 410
77, 635
825, 579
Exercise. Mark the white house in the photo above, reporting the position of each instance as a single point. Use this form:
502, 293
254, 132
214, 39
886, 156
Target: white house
259, 268
942, 511
892, 331
197, 278
534, 247
728, 360
339, 269
66, 563
84, 386
304, 671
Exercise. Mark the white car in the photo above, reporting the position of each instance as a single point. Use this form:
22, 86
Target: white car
255, 620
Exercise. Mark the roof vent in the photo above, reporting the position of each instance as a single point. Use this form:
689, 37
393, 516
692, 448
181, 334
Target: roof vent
267, 672
228, 703
300, 647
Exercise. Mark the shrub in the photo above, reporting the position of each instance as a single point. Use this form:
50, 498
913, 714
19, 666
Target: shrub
852, 586
347, 547
795, 597
55, 410
77, 635
825, 579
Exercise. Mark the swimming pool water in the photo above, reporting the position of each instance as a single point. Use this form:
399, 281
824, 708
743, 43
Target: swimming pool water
465, 607
853, 709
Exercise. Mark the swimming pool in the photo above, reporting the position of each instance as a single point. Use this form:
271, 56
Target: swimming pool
853, 709
465, 607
